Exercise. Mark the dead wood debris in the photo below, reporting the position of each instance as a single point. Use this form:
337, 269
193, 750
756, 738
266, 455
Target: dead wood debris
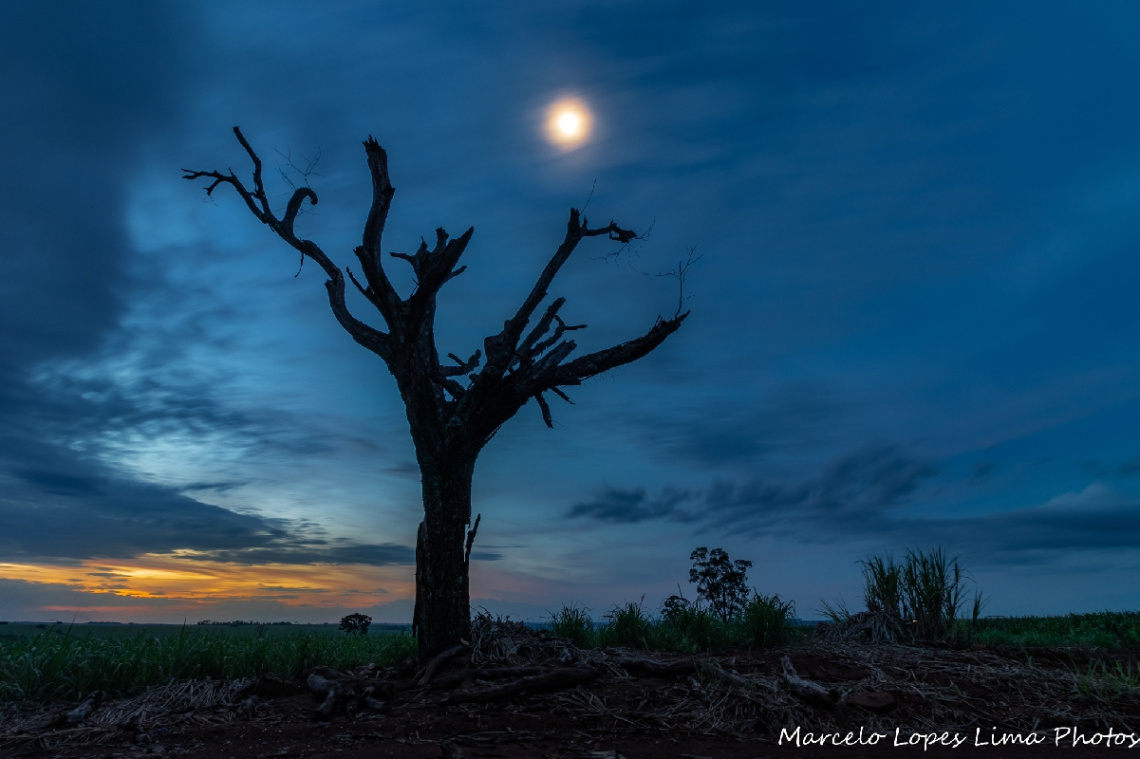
876, 628
806, 690
344, 691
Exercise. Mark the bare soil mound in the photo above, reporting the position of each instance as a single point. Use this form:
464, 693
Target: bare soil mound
513, 692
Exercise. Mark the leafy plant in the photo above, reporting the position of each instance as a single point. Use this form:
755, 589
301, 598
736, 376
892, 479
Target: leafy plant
1101, 683
925, 593
838, 613
628, 625
719, 580
355, 624
575, 625
688, 626
768, 620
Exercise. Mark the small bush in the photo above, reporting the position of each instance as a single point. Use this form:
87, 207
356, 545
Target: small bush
627, 626
926, 594
687, 626
768, 620
575, 625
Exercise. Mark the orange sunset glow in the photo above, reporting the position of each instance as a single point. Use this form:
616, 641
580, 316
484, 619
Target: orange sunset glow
189, 585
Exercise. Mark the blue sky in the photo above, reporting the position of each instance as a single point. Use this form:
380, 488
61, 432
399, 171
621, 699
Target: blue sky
914, 319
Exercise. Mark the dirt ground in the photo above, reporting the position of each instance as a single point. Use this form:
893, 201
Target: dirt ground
513, 693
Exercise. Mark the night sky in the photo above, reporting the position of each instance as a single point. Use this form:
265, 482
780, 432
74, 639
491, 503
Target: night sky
914, 320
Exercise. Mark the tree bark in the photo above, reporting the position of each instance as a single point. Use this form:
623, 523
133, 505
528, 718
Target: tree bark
443, 604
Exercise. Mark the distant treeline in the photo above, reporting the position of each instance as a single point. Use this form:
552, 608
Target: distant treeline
240, 622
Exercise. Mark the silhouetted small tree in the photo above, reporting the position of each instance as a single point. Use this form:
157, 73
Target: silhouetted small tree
719, 580
355, 624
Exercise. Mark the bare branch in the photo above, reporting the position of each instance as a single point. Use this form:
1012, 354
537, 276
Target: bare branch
465, 367
501, 348
552, 359
545, 409
616, 233
573, 372
471, 540
433, 269
456, 390
258, 187
387, 301
232, 180
305, 173
525, 352
679, 274
373, 339
559, 330
294, 206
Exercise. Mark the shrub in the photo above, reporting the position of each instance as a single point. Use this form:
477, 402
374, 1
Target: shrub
627, 626
575, 625
926, 592
687, 626
768, 620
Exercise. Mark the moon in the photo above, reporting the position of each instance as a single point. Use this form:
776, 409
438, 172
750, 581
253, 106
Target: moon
568, 123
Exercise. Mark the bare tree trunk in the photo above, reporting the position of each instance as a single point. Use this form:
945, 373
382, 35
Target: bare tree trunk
443, 604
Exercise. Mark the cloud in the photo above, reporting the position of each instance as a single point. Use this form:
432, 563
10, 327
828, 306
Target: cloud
1130, 468
863, 486
78, 91
60, 484
67, 508
290, 552
617, 506
724, 431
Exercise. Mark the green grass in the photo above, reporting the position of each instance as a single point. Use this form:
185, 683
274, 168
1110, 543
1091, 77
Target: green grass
71, 662
575, 625
1107, 684
1111, 630
763, 621
628, 625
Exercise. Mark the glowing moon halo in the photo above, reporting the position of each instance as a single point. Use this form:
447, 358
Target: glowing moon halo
568, 123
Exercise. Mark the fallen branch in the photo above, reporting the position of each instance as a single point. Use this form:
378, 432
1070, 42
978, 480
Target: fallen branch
656, 668
678, 668
440, 658
805, 690
559, 679
450, 681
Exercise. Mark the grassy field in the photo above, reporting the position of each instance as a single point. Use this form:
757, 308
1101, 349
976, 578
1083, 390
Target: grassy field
923, 597
17, 630
71, 661
1110, 630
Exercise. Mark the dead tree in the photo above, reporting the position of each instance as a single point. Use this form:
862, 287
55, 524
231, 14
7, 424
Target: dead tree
453, 410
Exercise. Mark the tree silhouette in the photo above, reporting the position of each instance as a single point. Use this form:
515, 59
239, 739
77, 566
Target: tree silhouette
720, 581
355, 624
450, 420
